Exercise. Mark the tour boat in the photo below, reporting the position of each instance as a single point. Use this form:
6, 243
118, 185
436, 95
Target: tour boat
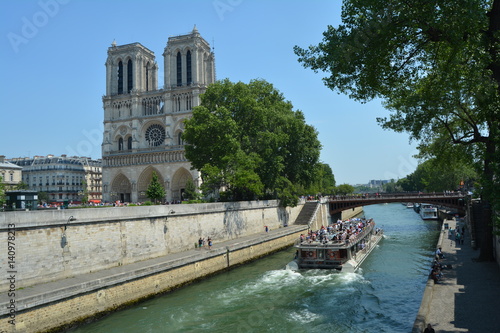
343, 255
428, 212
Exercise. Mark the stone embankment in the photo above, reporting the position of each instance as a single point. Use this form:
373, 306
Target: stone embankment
69, 266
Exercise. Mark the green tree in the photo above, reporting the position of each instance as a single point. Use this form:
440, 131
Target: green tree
190, 192
247, 140
21, 186
155, 190
392, 187
436, 66
324, 181
85, 192
344, 189
43, 197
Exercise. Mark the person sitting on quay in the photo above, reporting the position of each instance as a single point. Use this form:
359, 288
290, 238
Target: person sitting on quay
435, 276
439, 253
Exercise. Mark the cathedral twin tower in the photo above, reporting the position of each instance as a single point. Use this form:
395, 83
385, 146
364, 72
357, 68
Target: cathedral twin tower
143, 125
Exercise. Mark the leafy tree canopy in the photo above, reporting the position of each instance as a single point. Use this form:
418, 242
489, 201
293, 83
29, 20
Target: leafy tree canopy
190, 192
344, 189
247, 140
436, 66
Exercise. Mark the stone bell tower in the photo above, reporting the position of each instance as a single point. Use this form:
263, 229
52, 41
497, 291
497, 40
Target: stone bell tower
143, 125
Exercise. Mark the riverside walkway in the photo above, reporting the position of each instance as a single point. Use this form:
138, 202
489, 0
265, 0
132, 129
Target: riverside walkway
467, 297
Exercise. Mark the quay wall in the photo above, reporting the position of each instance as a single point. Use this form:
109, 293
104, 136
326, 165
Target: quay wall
59, 316
323, 217
350, 213
57, 244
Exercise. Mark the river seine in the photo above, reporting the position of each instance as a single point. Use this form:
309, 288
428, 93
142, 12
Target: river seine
384, 296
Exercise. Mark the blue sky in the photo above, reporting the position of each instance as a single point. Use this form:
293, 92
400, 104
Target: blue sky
53, 54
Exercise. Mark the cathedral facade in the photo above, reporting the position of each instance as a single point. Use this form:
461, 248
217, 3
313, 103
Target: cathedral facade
143, 124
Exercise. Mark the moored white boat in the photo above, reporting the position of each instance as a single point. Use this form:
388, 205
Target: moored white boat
428, 212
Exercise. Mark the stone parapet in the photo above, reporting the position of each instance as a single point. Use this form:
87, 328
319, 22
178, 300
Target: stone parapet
60, 244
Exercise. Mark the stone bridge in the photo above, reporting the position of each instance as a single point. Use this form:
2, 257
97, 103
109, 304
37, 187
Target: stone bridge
456, 201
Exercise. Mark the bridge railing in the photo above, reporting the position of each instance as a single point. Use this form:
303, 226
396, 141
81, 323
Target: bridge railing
382, 196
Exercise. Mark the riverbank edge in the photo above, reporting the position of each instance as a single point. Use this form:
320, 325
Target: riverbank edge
425, 305
67, 303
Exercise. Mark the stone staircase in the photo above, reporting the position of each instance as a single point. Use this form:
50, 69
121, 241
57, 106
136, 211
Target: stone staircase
307, 213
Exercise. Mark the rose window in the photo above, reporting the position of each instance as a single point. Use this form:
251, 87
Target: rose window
155, 135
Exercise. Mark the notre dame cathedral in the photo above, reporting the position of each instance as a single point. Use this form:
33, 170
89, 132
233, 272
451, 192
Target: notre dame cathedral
143, 124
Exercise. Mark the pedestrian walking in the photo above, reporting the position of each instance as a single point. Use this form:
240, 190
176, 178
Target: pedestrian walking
457, 238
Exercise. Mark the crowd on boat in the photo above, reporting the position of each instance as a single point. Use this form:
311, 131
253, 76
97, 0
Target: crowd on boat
340, 232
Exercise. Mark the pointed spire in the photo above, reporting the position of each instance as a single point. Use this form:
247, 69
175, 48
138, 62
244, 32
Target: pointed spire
195, 30
113, 44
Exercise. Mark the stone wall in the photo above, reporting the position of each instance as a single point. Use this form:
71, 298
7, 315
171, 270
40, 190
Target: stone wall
350, 213
72, 310
56, 244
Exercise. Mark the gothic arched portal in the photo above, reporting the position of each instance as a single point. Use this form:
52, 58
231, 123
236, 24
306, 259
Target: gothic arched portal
179, 181
121, 188
144, 181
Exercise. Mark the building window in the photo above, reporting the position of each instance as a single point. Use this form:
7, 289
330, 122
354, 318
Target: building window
179, 69
129, 76
188, 68
120, 78
129, 143
155, 135
120, 144
179, 139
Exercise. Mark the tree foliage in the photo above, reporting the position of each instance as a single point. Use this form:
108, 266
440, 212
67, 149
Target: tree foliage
190, 192
436, 66
247, 140
344, 189
435, 176
85, 192
155, 190
43, 197
21, 186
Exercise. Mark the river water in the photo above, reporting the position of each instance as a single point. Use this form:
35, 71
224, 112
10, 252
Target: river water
383, 296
